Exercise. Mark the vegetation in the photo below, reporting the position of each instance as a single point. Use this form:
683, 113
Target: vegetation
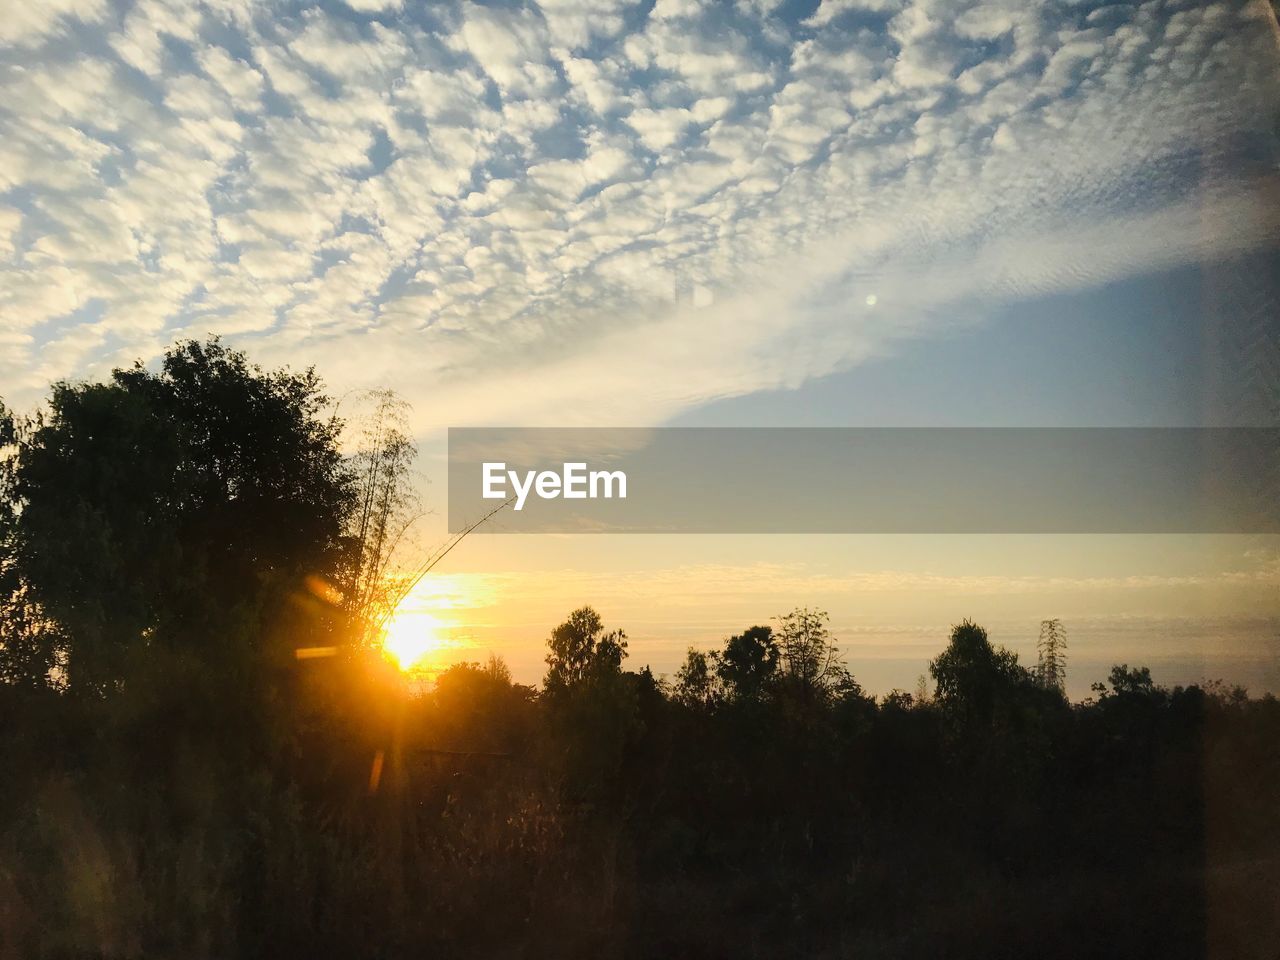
205, 755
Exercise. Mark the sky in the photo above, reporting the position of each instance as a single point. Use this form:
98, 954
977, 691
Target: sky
615, 213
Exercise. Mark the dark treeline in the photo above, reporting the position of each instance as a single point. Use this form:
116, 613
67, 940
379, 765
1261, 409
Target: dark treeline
204, 753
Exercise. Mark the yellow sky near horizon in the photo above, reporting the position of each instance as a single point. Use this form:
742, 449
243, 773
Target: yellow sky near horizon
1201, 606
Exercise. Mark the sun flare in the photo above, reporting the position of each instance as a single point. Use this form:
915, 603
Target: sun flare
428, 628
410, 637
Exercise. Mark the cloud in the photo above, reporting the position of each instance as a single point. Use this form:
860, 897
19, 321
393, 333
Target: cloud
374, 6
573, 212
510, 46
27, 24
573, 24
241, 82
829, 10
701, 583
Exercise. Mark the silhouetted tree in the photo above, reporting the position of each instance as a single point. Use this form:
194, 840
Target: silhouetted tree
581, 650
1128, 681
1051, 648
386, 506
591, 704
809, 663
31, 644
176, 510
749, 663
478, 707
696, 680
972, 677
30, 641
897, 700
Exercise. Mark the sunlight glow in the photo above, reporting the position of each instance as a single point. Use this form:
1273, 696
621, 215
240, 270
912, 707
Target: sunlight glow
410, 636
428, 629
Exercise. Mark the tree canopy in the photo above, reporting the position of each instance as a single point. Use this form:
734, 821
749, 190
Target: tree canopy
173, 508
973, 677
580, 650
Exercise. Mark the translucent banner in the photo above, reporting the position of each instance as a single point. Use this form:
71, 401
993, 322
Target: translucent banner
865, 480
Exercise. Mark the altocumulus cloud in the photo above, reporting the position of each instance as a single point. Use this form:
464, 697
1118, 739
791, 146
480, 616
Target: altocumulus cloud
597, 209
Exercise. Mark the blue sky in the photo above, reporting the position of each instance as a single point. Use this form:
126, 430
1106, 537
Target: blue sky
1143, 351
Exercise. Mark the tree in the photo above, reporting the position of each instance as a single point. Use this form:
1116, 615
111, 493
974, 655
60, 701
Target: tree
178, 510
921, 695
897, 699
696, 680
810, 664
749, 663
478, 707
30, 643
1128, 681
29, 640
581, 651
592, 706
386, 507
972, 677
1051, 670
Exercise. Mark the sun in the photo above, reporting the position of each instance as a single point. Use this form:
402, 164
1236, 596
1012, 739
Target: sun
410, 636
426, 622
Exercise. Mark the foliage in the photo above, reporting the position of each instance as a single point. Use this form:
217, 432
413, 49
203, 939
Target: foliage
696, 680
1128, 681
749, 663
30, 642
385, 509
975, 680
809, 664
581, 652
592, 708
1051, 650
477, 707
173, 510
